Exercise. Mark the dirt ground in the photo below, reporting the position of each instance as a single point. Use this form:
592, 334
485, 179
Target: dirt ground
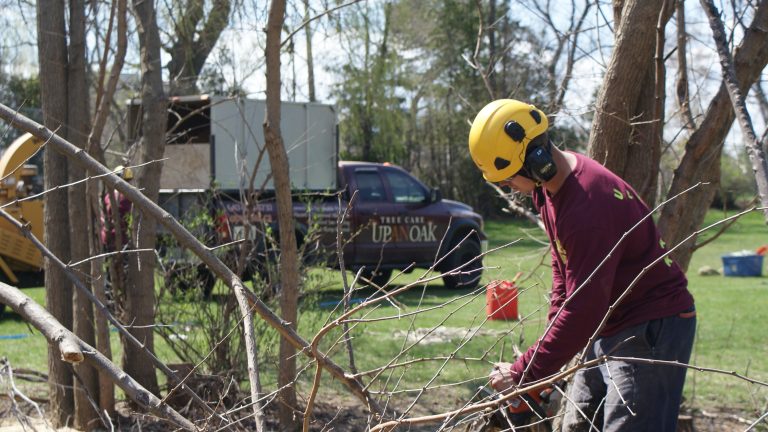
331, 414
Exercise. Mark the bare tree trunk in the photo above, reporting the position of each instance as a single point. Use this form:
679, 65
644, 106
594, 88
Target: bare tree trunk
681, 87
140, 292
86, 386
52, 56
106, 392
289, 261
762, 101
618, 13
310, 59
701, 161
104, 98
644, 152
622, 135
491, 29
366, 125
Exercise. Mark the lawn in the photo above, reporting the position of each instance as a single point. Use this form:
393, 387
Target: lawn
457, 345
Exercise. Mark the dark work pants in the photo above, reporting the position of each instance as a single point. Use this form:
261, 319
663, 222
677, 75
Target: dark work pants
632, 396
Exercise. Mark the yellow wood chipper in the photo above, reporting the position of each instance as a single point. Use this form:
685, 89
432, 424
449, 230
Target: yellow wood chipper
21, 262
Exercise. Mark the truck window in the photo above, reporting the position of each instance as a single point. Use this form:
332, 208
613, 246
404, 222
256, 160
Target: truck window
370, 187
404, 188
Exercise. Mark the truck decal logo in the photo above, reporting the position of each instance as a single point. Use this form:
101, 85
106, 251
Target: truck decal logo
385, 233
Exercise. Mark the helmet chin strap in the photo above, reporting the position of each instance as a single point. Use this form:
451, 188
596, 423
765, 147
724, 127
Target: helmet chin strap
526, 173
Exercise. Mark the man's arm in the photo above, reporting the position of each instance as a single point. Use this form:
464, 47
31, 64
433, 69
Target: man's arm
580, 313
557, 295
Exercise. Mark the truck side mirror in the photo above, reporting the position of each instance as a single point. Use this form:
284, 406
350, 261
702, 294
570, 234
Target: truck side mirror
435, 195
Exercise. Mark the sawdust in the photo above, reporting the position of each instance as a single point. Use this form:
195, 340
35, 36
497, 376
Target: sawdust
443, 334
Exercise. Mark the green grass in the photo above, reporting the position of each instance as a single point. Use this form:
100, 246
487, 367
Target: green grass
732, 320
30, 350
730, 337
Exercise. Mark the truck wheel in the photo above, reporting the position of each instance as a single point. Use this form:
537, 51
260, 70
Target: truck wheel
208, 281
190, 277
469, 275
378, 276
5, 280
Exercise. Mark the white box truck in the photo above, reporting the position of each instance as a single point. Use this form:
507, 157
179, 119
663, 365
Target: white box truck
217, 141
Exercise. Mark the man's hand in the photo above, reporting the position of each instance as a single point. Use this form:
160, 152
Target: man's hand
502, 378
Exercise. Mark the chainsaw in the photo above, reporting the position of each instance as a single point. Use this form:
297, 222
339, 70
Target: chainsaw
532, 410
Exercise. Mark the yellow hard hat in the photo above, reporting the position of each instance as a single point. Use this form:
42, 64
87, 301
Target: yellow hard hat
125, 172
500, 135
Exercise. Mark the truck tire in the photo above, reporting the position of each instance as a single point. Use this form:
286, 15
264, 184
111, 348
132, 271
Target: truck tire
378, 276
4, 280
469, 276
184, 278
208, 280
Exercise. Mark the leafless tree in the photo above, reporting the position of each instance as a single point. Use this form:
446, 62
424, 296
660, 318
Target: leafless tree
195, 34
754, 149
566, 49
52, 55
105, 92
78, 123
701, 160
289, 265
681, 87
310, 58
140, 290
622, 136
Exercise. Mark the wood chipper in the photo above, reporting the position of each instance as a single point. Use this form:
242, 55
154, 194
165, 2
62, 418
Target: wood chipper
21, 262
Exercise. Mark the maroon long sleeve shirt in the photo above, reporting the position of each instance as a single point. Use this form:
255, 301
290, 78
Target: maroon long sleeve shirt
585, 220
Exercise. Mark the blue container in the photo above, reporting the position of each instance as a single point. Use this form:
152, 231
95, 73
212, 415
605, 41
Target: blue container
743, 265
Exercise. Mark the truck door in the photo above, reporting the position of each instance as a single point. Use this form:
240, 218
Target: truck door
419, 223
374, 241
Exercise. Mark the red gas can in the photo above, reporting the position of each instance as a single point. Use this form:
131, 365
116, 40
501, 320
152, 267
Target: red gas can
501, 300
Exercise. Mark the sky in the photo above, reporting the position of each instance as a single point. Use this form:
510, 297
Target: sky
238, 57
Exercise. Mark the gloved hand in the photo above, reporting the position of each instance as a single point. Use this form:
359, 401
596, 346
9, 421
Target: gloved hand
502, 378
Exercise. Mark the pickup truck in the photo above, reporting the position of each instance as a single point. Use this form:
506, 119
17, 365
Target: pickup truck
395, 223
215, 148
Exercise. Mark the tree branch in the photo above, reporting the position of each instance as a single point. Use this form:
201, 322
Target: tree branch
75, 351
320, 15
681, 90
755, 151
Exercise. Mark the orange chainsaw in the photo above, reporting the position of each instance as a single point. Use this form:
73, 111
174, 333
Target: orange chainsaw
533, 408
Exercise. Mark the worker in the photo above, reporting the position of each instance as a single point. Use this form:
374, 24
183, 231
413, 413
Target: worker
124, 210
587, 211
